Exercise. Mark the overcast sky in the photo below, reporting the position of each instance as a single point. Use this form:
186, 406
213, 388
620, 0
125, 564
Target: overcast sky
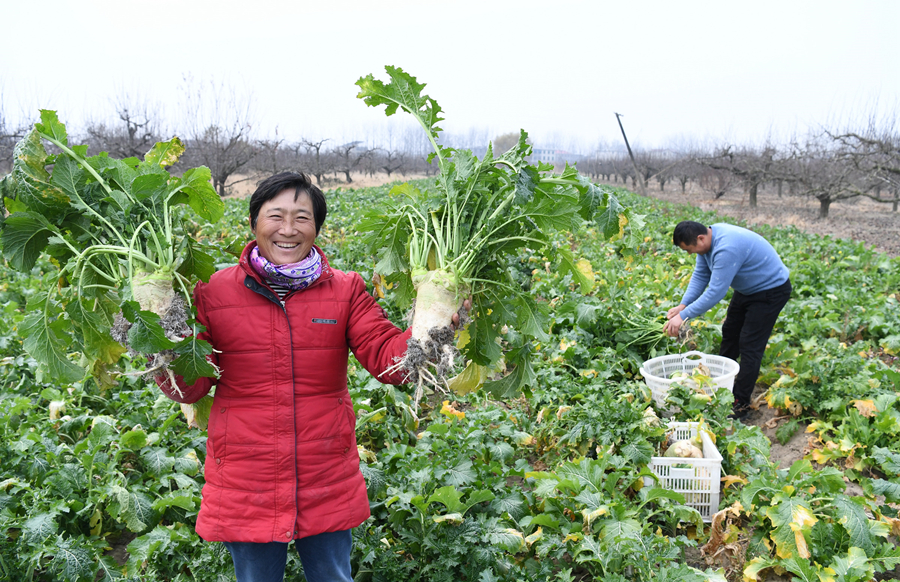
676, 70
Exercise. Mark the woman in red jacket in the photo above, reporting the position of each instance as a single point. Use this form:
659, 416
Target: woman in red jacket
282, 463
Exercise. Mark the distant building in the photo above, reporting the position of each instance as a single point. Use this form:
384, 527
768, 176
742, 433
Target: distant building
554, 156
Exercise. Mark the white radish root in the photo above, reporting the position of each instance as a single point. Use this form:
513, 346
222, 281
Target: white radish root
431, 353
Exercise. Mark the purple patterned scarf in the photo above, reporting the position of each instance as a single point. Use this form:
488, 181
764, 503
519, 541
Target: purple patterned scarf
294, 276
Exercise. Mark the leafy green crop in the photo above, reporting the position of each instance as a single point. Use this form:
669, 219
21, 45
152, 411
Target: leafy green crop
111, 228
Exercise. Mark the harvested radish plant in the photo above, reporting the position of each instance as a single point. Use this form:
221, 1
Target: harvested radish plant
458, 238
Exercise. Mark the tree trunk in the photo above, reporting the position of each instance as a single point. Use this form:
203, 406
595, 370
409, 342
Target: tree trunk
662, 184
824, 205
780, 183
753, 189
347, 176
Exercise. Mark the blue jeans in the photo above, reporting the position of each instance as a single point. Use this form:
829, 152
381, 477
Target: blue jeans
325, 558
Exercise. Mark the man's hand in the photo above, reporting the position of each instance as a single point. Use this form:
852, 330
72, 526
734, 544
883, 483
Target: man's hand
673, 325
674, 311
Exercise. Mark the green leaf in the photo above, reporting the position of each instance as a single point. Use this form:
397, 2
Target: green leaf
459, 474
511, 385
889, 460
174, 500
24, 236
201, 196
165, 153
45, 338
33, 183
889, 489
191, 362
94, 318
66, 175
52, 127
135, 509
133, 439
638, 452
196, 264
532, 317
143, 548
72, 562
157, 460
855, 566
150, 187
38, 529
146, 334
852, 518
405, 92
449, 497
610, 219
508, 539
525, 183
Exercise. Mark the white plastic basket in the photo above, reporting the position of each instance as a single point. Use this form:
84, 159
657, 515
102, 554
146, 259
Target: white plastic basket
697, 479
656, 372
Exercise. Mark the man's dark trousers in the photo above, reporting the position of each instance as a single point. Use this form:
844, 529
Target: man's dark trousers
746, 331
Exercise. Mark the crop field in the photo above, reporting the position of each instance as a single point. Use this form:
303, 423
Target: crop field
102, 479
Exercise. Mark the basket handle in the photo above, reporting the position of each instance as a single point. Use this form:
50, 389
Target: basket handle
689, 357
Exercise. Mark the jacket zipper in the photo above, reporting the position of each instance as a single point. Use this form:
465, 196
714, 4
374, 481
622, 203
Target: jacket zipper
256, 287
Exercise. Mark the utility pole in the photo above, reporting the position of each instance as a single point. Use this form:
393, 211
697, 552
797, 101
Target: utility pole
637, 173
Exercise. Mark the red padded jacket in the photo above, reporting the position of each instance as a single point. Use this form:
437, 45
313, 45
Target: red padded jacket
281, 458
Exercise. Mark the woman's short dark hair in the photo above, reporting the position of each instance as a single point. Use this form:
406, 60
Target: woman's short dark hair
687, 232
297, 181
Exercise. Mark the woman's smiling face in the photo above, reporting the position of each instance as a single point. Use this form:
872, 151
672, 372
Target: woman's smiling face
286, 227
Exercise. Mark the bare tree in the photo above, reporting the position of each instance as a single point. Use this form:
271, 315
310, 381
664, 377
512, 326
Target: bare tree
137, 127
875, 153
219, 125
819, 171
748, 166
715, 182
347, 158
10, 134
390, 161
315, 160
274, 156
504, 142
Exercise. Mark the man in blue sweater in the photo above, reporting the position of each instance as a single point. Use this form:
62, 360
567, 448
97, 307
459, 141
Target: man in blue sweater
731, 256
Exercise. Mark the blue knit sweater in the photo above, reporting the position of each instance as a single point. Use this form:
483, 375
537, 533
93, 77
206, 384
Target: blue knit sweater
738, 258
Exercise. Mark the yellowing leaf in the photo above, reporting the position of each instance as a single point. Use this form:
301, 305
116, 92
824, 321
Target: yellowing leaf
865, 407
590, 516
468, 380
729, 480
586, 269
450, 411
623, 221
538, 534
57, 407
454, 518
462, 338
378, 282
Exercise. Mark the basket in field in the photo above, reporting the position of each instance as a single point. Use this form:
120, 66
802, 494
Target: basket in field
697, 479
656, 372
